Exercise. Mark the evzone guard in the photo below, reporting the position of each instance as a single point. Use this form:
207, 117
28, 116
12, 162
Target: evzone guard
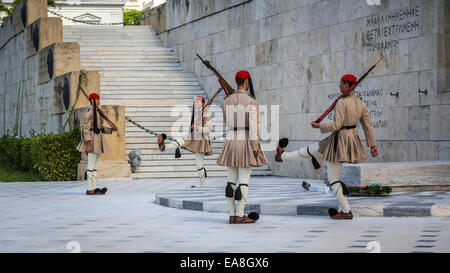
93, 142
198, 140
241, 150
342, 146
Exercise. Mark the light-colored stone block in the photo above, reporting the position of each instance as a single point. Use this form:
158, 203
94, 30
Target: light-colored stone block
439, 121
367, 211
278, 209
440, 211
397, 174
58, 59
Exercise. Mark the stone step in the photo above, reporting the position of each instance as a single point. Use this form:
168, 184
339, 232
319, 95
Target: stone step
160, 124
102, 32
149, 74
128, 53
182, 127
109, 28
139, 97
94, 46
148, 138
151, 169
126, 41
129, 66
85, 34
130, 110
127, 59
170, 156
106, 91
112, 89
143, 143
125, 49
168, 116
125, 84
120, 37
177, 162
189, 174
160, 83
147, 102
155, 152
145, 138
209, 169
132, 67
154, 116
140, 79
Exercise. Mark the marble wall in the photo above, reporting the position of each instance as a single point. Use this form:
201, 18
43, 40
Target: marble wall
297, 50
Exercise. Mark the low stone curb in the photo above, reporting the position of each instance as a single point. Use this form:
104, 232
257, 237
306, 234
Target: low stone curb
438, 210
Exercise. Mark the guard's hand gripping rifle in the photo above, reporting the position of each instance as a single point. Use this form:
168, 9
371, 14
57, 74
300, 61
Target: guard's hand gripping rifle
223, 83
113, 126
341, 96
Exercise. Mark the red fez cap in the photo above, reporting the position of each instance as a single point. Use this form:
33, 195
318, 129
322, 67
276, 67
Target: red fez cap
349, 78
94, 96
200, 98
243, 74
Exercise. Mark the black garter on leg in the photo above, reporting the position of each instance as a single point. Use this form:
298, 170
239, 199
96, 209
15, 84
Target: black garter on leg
229, 192
313, 159
344, 187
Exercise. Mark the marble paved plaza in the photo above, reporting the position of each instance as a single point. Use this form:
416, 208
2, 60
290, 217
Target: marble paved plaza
58, 217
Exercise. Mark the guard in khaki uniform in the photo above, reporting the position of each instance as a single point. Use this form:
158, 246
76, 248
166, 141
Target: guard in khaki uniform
343, 145
241, 150
93, 142
198, 140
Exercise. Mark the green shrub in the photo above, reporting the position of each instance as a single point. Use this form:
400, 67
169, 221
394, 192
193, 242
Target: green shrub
132, 17
54, 157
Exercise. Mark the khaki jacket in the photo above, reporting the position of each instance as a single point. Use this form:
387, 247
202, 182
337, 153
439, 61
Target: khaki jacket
98, 141
241, 111
349, 148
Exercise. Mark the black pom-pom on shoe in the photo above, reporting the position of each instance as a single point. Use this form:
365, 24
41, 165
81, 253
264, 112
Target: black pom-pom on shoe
253, 215
332, 212
283, 143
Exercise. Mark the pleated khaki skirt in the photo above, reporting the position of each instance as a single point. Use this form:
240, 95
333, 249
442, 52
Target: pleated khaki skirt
239, 153
348, 149
202, 146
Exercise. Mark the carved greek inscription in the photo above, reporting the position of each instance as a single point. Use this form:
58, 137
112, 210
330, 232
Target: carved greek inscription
386, 30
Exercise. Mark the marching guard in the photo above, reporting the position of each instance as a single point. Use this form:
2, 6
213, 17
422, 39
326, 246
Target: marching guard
198, 140
241, 150
342, 146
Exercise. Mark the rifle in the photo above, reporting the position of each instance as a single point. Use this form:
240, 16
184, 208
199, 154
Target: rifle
223, 83
113, 126
341, 96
